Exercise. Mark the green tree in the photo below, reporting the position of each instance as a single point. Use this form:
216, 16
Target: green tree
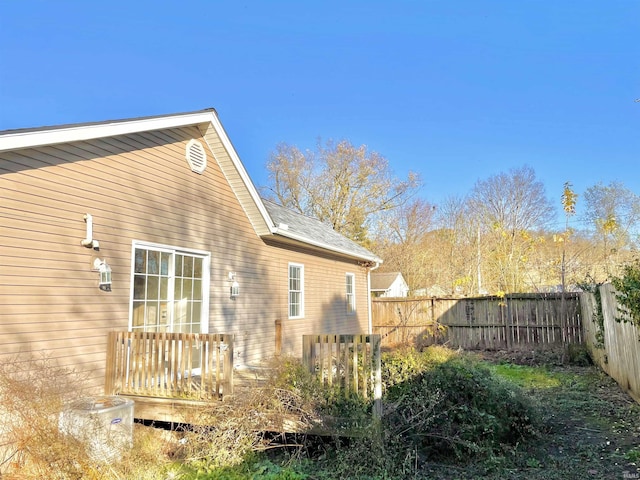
338, 183
613, 211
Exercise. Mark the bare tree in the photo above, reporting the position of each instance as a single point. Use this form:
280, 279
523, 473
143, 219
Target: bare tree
338, 183
457, 251
510, 208
410, 222
400, 239
515, 201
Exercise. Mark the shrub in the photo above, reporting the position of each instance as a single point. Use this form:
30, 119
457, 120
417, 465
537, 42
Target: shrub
440, 405
627, 287
401, 366
476, 411
33, 391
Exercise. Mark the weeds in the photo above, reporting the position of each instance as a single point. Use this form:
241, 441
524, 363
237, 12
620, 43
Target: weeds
33, 392
446, 415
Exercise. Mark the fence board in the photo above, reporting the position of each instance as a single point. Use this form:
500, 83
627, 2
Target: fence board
517, 321
619, 353
169, 365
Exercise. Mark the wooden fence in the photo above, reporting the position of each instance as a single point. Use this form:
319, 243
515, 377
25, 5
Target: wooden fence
614, 346
348, 362
169, 365
513, 322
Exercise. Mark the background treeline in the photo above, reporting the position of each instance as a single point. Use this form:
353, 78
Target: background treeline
507, 234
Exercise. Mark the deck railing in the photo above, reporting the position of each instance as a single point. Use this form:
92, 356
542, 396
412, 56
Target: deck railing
192, 366
348, 362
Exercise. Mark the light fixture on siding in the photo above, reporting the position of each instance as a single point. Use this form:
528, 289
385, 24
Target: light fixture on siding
235, 286
104, 270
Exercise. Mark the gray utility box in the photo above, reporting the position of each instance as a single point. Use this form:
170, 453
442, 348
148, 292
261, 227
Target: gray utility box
104, 424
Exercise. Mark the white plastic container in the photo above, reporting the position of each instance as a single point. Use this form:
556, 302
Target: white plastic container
104, 424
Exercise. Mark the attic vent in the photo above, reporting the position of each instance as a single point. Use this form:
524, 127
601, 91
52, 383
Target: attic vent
196, 156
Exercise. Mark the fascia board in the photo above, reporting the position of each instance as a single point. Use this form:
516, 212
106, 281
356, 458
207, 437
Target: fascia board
244, 176
37, 138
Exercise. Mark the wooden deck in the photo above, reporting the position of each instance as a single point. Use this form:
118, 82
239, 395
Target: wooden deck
177, 377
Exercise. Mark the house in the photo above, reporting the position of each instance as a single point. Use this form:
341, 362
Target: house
153, 225
388, 284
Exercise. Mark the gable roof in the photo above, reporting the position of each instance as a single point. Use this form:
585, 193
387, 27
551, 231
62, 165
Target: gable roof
267, 218
382, 281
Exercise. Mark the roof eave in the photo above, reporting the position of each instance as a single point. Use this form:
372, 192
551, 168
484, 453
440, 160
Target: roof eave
300, 238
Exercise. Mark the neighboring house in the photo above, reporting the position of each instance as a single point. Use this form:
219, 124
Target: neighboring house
161, 213
390, 284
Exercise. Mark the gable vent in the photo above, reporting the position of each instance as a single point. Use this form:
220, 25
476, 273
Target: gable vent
196, 156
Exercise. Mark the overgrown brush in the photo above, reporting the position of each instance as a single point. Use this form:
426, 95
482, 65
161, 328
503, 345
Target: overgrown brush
229, 434
472, 411
440, 406
33, 392
291, 397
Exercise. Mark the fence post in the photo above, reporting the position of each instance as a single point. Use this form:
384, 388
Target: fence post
508, 324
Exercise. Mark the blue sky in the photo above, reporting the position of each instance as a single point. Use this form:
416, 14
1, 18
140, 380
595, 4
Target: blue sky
455, 90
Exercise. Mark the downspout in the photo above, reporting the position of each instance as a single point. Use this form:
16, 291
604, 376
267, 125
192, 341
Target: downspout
377, 264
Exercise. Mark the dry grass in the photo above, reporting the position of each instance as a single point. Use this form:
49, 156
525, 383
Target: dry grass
33, 392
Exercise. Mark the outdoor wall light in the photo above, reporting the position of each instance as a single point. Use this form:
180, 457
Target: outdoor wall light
104, 270
235, 286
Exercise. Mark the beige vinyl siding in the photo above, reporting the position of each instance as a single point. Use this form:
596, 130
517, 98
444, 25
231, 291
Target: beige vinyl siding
140, 187
136, 187
325, 309
235, 181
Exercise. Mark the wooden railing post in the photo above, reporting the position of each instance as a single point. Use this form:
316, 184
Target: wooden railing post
110, 370
278, 348
228, 366
377, 376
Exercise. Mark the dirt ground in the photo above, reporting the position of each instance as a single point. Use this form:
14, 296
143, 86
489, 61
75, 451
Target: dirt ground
591, 426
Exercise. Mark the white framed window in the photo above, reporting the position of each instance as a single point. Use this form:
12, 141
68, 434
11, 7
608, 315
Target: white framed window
296, 290
169, 289
350, 293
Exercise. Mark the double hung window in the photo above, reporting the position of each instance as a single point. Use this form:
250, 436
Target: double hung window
350, 292
296, 290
